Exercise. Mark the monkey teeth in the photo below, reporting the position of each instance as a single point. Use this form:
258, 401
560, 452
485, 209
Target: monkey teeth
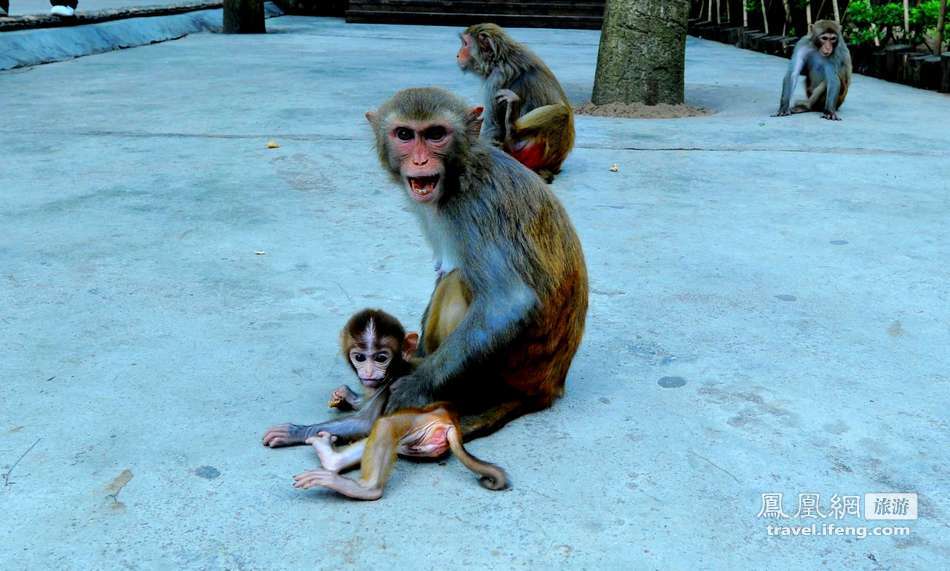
423, 186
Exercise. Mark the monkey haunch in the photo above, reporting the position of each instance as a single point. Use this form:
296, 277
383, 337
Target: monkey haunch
517, 260
528, 115
376, 347
824, 59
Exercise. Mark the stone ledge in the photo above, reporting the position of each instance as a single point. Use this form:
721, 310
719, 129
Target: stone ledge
27, 47
34, 21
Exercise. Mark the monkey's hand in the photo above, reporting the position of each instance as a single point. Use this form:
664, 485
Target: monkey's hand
506, 96
831, 116
343, 398
511, 101
410, 391
286, 434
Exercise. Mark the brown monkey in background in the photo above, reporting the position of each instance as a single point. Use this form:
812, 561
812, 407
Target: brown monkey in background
529, 115
377, 348
823, 58
516, 256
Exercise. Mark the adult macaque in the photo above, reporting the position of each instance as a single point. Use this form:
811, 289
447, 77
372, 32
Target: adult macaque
516, 255
529, 115
517, 259
823, 58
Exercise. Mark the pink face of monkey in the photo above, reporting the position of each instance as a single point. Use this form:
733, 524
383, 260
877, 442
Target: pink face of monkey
370, 357
826, 43
464, 56
421, 148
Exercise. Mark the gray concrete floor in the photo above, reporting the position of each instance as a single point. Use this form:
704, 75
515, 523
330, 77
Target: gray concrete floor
793, 272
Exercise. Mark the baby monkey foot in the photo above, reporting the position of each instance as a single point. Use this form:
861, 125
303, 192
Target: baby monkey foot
329, 457
337, 483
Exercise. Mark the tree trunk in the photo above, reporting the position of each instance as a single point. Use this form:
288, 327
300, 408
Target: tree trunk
244, 17
941, 23
642, 52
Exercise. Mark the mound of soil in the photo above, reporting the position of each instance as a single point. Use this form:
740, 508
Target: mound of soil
641, 111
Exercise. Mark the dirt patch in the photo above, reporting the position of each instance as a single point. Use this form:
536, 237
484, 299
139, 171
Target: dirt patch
641, 111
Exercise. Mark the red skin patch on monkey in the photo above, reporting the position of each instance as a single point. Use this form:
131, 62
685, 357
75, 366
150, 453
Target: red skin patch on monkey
429, 441
530, 154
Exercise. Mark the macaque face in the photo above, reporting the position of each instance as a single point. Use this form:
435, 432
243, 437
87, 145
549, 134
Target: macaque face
464, 56
826, 43
370, 363
420, 149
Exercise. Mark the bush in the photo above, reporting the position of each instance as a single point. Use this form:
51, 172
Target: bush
865, 22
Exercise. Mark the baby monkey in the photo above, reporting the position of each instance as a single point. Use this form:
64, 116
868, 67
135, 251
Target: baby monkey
378, 349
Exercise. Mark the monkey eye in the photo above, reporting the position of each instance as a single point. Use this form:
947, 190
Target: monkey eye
436, 133
404, 134
381, 357
359, 357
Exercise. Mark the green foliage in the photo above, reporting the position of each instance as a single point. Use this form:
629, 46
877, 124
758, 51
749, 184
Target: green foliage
858, 23
865, 22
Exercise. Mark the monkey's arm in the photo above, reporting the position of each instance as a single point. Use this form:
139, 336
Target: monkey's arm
346, 428
831, 97
795, 68
490, 322
512, 104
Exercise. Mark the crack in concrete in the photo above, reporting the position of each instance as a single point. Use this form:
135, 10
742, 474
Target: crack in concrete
716, 466
836, 150
321, 137
175, 135
8, 473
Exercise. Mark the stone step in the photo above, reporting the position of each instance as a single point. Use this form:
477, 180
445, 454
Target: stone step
558, 14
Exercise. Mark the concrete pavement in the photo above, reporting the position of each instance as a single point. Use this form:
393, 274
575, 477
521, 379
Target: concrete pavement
769, 314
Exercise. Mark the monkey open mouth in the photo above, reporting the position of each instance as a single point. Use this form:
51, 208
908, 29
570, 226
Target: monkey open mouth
422, 187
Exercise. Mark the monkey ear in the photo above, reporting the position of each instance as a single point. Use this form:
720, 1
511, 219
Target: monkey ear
409, 345
473, 123
372, 117
486, 43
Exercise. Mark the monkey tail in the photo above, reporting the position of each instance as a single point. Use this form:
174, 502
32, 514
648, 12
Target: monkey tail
492, 477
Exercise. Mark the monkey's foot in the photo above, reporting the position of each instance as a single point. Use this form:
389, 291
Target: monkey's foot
831, 116
340, 484
329, 457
